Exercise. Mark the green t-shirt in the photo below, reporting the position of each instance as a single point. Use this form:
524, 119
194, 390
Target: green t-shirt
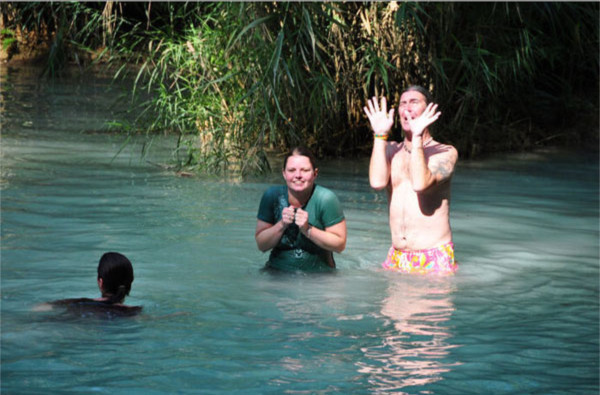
294, 251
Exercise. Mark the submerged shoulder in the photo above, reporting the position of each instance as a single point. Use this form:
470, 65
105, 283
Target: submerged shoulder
73, 301
87, 306
125, 310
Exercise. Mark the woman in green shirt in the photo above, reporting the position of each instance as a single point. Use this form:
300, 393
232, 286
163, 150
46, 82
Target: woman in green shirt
301, 223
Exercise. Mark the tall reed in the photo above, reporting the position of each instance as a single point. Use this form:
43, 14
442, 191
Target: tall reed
238, 81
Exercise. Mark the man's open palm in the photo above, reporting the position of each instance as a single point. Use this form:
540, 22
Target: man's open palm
381, 120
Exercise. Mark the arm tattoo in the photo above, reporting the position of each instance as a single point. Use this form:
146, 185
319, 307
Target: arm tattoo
442, 169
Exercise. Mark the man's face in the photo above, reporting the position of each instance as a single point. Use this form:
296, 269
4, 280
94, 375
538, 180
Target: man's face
411, 103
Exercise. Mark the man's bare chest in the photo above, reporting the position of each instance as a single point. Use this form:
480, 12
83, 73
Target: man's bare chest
400, 169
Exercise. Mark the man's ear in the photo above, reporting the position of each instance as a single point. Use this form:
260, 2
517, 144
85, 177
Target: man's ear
316, 171
100, 284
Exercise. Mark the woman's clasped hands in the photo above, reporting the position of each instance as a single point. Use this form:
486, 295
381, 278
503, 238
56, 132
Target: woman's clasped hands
291, 215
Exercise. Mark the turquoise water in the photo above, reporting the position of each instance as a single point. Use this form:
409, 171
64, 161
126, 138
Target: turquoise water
520, 317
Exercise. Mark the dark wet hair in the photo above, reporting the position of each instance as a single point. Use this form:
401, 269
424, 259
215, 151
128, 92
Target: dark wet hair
303, 151
116, 273
421, 90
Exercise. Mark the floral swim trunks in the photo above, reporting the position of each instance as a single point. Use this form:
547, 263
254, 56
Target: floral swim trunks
438, 260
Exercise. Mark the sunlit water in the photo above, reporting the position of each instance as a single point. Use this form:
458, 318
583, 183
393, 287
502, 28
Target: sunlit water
520, 317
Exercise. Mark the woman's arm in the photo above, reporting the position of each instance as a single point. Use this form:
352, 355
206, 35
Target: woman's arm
333, 238
268, 235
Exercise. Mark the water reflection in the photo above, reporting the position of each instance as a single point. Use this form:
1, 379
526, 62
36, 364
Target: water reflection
417, 340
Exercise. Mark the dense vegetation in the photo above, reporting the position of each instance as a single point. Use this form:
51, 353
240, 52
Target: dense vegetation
237, 80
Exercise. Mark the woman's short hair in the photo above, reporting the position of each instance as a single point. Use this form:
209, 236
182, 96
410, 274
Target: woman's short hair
303, 151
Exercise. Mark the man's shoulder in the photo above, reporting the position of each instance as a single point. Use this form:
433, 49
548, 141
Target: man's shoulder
443, 149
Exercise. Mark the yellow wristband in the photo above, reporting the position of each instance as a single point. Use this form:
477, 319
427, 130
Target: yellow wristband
381, 136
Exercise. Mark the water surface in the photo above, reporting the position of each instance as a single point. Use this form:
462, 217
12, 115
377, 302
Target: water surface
521, 315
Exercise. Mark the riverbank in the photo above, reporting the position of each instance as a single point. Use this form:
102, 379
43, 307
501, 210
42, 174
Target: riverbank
584, 134
237, 100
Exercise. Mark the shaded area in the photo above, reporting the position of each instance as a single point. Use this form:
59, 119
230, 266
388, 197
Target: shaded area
238, 81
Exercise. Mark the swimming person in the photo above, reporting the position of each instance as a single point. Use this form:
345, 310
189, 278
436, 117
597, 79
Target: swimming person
417, 173
301, 223
115, 275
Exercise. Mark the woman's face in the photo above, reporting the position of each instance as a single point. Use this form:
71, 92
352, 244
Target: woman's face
299, 174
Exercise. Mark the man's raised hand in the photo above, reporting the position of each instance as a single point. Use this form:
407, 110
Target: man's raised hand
381, 120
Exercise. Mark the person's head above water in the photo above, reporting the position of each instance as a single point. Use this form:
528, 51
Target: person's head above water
115, 275
414, 100
300, 172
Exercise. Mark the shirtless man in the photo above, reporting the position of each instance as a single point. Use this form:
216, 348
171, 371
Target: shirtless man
417, 174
